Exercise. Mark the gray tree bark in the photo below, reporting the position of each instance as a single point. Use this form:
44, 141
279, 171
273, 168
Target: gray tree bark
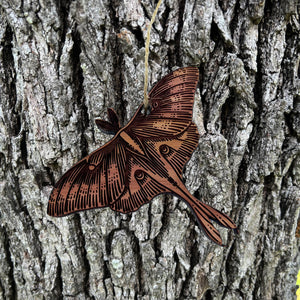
62, 63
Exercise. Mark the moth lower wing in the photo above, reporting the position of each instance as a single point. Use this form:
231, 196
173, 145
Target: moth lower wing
171, 100
141, 186
94, 182
179, 148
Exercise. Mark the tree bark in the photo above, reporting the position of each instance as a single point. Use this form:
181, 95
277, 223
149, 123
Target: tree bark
63, 63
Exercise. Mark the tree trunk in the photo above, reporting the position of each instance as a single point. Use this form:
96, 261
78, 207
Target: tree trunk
63, 63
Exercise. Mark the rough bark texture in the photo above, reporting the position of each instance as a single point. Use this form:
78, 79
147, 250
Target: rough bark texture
62, 63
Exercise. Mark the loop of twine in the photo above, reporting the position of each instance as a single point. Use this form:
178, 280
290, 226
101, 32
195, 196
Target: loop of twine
146, 100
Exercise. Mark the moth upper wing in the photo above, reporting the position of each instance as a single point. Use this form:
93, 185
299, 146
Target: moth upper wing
93, 182
171, 100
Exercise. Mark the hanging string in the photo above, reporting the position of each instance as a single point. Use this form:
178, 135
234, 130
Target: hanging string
146, 100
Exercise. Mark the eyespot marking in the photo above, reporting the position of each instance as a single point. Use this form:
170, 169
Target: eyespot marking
139, 175
164, 149
92, 167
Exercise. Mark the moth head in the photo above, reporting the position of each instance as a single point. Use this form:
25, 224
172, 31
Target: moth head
155, 104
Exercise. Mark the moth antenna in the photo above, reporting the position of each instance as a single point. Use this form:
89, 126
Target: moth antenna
105, 126
113, 118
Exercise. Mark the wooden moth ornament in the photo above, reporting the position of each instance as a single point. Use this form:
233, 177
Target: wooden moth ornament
144, 159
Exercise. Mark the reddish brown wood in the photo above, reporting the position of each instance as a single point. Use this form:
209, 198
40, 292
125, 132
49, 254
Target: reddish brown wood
144, 159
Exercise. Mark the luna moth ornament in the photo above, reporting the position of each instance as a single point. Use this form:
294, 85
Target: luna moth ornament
144, 159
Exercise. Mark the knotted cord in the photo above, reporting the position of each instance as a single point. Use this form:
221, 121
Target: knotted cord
146, 100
